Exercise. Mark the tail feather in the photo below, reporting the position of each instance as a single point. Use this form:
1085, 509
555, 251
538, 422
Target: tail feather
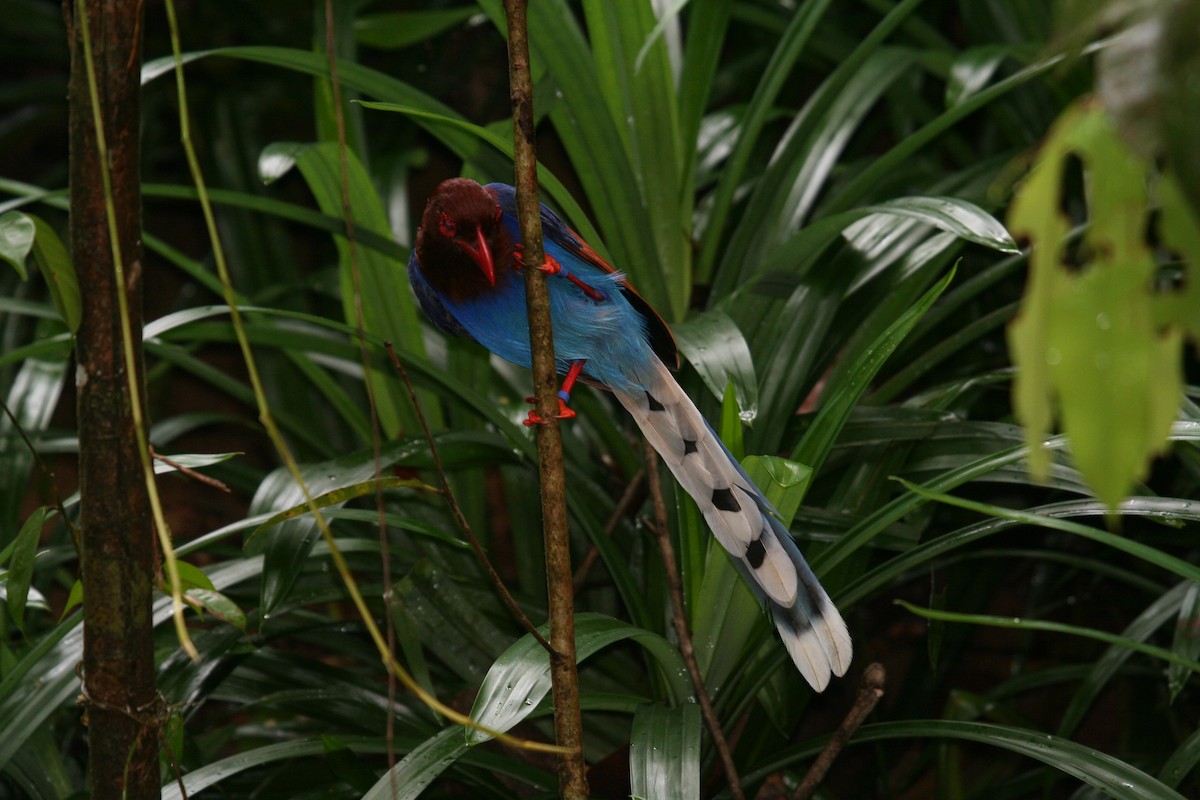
744, 523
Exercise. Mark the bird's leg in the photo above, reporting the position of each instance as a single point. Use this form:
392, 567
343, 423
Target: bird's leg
552, 267
564, 396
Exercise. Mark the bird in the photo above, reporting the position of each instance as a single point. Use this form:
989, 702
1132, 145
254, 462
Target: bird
465, 272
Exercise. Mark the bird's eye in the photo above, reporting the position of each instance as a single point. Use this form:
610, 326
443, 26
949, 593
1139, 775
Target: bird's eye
447, 226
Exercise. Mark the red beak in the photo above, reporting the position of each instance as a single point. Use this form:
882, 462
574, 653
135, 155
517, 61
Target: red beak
482, 255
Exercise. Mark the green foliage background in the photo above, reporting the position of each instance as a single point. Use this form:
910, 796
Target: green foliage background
809, 191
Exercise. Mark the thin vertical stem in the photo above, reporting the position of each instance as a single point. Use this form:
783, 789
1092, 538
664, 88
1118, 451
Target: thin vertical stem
568, 724
385, 559
679, 619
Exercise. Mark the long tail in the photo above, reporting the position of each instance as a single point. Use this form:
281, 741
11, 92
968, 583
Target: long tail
744, 523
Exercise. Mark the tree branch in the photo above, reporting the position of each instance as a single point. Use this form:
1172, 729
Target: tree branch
568, 724
870, 690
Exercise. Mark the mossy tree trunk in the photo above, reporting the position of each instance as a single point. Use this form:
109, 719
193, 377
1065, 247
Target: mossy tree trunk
117, 546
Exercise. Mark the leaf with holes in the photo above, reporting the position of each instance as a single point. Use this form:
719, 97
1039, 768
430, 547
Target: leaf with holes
1086, 339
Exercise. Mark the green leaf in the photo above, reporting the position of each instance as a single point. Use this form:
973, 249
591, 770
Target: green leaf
874, 222
449, 620
39, 767
816, 444
173, 739
214, 772
17, 232
952, 215
874, 523
192, 577
219, 605
1186, 643
30, 403
74, 598
714, 345
928, 551
287, 545
421, 767
635, 70
1103, 669
22, 234
190, 461
520, 677
725, 616
1143, 552
278, 158
55, 263
779, 69
399, 29
1086, 340
1179, 228
784, 482
1182, 761
707, 24
862, 183
804, 159
732, 424
972, 70
1018, 623
20, 572
346, 765
337, 497
664, 752
1104, 772
45, 679
368, 278
38, 685
592, 119
275, 208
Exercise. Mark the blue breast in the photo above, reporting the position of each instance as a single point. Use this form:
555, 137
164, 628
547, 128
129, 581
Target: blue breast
610, 335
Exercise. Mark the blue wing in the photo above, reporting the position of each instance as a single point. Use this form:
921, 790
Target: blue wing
577, 255
611, 335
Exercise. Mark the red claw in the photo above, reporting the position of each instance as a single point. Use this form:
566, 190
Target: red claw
534, 418
564, 394
550, 266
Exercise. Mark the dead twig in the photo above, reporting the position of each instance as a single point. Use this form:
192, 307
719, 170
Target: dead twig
191, 473
870, 690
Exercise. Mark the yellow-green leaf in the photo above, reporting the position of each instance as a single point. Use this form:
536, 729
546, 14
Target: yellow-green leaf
1088, 349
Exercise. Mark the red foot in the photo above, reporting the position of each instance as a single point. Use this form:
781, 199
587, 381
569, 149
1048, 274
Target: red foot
564, 395
552, 267
564, 412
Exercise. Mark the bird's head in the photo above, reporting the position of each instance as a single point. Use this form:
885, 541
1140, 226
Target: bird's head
461, 238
